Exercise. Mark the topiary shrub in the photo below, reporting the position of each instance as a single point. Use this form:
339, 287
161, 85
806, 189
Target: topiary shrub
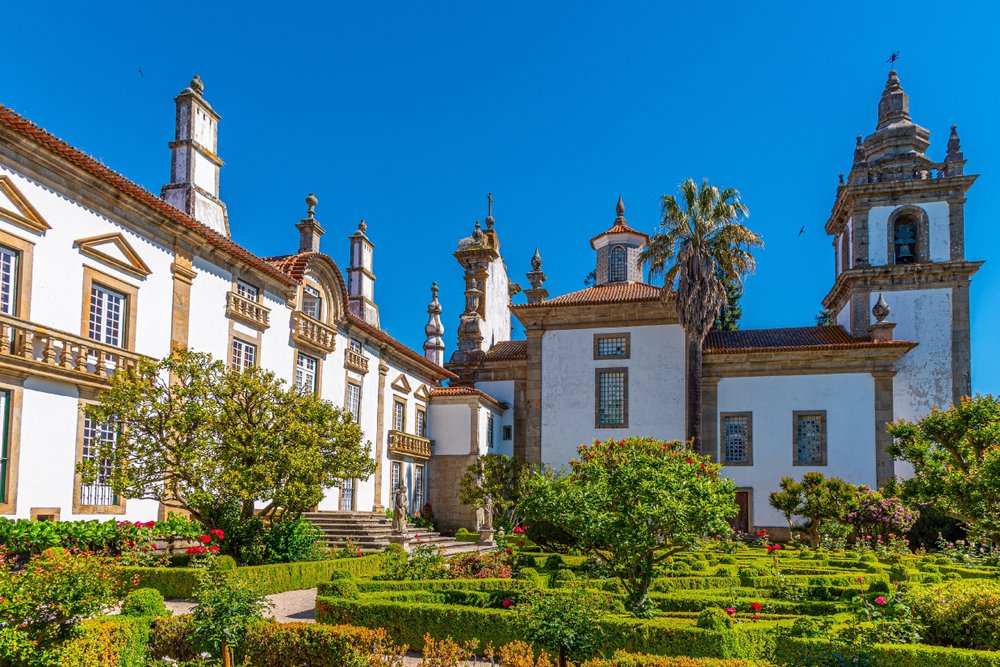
528, 574
554, 562
753, 571
144, 602
699, 566
680, 567
898, 573
563, 576
714, 618
342, 588
727, 560
965, 615
342, 574
224, 563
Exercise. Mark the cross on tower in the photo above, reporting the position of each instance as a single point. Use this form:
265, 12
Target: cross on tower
893, 57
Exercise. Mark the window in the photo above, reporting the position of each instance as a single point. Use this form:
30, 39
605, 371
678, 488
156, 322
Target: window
396, 475
612, 398
312, 302
418, 488
612, 346
8, 280
356, 346
99, 493
244, 354
399, 416
247, 291
737, 439
507, 433
904, 239
809, 433
4, 443
421, 423
107, 316
490, 428
347, 495
617, 266
353, 402
305, 374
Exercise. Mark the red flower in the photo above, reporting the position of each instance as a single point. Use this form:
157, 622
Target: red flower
731, 611
196, 550
880, 600
518, 530
217, 534
520, 543
703, 466
205, 539
507, 603
690, 461
773, 547
214, 548
359, 553
756, 606
762, 532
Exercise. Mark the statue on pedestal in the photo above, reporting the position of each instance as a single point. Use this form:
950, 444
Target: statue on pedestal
399, 502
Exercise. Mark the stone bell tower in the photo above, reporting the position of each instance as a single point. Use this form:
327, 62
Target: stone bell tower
898, 228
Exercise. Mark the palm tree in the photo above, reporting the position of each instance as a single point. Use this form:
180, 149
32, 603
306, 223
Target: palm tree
700, 245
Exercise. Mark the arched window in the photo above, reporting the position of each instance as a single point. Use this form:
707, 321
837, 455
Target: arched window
617, 266
904, 239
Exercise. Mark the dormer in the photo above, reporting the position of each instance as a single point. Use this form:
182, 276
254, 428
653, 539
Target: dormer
618, 252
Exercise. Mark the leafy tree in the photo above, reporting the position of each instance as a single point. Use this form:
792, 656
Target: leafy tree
504, 479
590, 279
226, 605
565, 624
731, 312
955, 454
701, 243
825, 317
198, 437
633, 503
817, 498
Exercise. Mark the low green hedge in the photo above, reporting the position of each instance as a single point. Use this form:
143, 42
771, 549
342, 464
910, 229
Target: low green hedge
794, 652
108, 642
179, 582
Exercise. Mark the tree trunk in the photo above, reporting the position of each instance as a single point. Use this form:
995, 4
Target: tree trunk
693, 420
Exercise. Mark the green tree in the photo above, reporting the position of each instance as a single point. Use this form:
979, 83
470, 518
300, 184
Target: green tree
731, 312
565, 624
955, 455
633, 503
816, 498
825, 318
198, 437
226, 605
504, 479
700, 244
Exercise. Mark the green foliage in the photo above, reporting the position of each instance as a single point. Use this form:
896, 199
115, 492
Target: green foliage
566, 625
818, 498
635, 660
964, 614
549, 536
713, 618
504, 479
144, 602
633, 503
956, 462
225, 607
293, 540
731, 311
422, 562
310, 645
114, 641
195, 435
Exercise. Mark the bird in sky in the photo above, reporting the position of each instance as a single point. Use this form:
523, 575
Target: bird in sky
140, 73
802, 231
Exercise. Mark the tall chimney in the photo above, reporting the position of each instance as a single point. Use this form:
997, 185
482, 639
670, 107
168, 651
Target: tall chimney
360, 279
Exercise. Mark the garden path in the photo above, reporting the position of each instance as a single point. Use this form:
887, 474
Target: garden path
289, 607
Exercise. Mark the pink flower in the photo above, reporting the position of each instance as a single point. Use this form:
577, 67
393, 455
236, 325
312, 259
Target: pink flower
731, 611
860, 579
507, 603
755, 617
359, 553
880, 600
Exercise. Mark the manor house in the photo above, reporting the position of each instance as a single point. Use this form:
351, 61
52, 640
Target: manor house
148, 273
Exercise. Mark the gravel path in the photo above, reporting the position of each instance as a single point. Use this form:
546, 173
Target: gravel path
289, 607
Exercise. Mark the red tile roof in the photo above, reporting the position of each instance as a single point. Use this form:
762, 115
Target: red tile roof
800, 338
464, 391
293, 266
413, 355
29, 130
620, 227
613, 293
508, 350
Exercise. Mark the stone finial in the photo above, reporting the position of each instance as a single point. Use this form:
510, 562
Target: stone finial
895, 103
881, 309
840, 179
197, 85
536, 261
309, 228
859, 151
954, 158
477, 234
362, 226
434, 344
490, 221
536, 277
311, 202
472, 296
620, 209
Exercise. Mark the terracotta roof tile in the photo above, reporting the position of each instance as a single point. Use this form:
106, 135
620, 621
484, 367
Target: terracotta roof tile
620, 228
26, 128
508, 350
800, 338
413, 355
464, 391
293, 266
613, 293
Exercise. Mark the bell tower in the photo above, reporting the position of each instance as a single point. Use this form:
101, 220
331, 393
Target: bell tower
898, 228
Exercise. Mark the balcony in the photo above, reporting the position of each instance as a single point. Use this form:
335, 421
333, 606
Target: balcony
355, 361
247, 311
404, 444
310, 332
35, 350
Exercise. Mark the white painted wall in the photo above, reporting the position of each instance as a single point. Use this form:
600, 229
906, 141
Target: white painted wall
450, 428
849, 403
655, 382
939, 233
497, 325
503, 391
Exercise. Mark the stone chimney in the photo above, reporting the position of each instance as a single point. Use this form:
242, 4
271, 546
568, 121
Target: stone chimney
309, 229
434, 345
360, 279
194, 160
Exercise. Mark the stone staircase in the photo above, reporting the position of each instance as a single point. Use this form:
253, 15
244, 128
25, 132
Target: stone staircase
371, 532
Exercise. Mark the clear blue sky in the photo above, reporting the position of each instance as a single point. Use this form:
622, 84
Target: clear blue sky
408, 113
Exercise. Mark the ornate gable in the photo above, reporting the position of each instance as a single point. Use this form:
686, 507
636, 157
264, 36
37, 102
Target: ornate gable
16, 209
113, 249
423, 393
401, 384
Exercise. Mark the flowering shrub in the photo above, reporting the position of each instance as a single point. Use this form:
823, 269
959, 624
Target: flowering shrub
493, 565
882, 620
202, 555
875, 514
225, 606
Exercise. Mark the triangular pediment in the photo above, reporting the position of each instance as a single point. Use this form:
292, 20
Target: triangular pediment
423, 393
16, 209
400, 384
113, 249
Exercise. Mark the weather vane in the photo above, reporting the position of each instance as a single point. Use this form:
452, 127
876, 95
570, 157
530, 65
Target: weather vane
893, 57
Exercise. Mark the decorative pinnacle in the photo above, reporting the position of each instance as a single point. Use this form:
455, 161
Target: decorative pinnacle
311, 202
435, 307
620, 208
536, 261
881, 309
362, 227
477, 233
197, 85
489, 211
859, 151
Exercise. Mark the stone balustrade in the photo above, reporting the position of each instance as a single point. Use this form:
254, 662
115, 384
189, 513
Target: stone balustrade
355, 361
312, 333
404, 444
247, 311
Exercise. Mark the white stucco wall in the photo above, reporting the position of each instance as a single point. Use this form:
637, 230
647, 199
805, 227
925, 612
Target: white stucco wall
849, 401
497, 325
939, 233
655, 384
450, 428
503, 391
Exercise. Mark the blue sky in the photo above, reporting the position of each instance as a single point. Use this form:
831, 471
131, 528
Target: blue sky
407, 114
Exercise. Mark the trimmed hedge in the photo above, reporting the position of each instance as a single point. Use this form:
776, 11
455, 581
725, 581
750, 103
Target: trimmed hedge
108, 642
794, 652
633, 660
180, 582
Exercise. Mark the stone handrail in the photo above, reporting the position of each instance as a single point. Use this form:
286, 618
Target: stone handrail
404, 444
312, 333
52, 353
355, 361
892, 174
248, 311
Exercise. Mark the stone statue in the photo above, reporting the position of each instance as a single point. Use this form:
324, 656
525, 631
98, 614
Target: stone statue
487, 513
399, 510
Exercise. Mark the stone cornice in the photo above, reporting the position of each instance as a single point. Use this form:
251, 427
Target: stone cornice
899, 276
595, 316
888, 192
875, 359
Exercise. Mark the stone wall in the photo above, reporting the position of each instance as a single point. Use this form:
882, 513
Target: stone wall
445, 472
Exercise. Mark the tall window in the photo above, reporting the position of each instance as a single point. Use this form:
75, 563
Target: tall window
395, 475
305, 374
612, 397
4, 443
421, 423
418, 488
8, 280
354, 401
810, 438
490, 428
737, 439
399, 416
617, 265
107, 316
247, 291
312, 302
905, 240
347, 495
99, 492
244, 354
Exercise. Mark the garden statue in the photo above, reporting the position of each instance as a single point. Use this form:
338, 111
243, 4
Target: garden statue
399, 510
487, 523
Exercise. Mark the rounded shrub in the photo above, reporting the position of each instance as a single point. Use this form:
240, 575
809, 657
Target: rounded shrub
753, 571
714, 619
528, 574
553, 562
395, 549
878, 587
727, 560
342, 588
342, 574
225, 563
699, 566
932, 579
898, 573
144, 602
680, 567
868, 557
564, 575
965, 615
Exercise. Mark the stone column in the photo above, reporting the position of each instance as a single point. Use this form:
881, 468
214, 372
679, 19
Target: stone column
961, 344
383, 370
884, 464
710, 417
533, 395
